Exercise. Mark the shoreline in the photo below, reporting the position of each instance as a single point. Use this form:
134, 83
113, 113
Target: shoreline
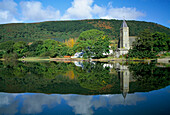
81, 59
167, 59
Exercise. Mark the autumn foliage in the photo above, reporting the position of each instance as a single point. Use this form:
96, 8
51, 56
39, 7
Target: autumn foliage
70, 42
102, 25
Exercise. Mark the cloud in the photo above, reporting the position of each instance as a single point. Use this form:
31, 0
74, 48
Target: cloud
33, 104
99, 11
81, 104
8, 11
84, 9
7, 104
84, 104
119, 13
34, 11
80, 9
8, 5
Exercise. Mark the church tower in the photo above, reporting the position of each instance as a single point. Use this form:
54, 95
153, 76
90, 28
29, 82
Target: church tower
124, 36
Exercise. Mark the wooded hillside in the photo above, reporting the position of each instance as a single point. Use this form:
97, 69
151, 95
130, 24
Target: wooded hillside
62, 30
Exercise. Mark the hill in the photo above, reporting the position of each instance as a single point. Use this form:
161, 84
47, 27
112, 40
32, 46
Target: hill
62, 30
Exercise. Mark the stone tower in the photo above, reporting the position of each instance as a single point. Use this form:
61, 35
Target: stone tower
124, 36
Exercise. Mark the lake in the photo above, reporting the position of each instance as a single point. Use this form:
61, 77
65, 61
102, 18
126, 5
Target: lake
84, 88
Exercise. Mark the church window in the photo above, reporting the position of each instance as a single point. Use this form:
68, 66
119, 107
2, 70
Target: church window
125, 33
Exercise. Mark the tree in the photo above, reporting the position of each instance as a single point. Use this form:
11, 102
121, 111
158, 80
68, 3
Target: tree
93, 43
143, 46
70, 42
144, 41
52, 48
7, 46
20, 48
160, 42
1, 53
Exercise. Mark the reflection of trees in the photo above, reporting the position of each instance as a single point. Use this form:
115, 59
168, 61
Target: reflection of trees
62, 78
95, 77
148, 77
38, 77
56, 78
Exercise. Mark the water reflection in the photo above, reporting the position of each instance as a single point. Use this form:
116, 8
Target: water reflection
80, 104
82, 77
63, 82
33, 103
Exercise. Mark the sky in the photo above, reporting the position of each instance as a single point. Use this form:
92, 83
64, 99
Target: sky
29, 11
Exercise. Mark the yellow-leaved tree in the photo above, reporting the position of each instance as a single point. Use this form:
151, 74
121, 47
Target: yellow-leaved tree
70, 42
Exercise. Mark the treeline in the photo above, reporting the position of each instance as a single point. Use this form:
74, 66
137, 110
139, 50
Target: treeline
93, 43
149, 45
63, 30
11, 50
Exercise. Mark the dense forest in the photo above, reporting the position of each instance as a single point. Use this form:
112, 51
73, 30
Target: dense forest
63, 30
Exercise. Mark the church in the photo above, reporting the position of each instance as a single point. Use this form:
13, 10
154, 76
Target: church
125, 41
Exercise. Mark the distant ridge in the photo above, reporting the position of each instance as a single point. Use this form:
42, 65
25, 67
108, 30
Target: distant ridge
61, 30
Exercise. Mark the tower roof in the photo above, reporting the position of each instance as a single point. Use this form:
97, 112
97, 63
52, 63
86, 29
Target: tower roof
124, 94
124, 24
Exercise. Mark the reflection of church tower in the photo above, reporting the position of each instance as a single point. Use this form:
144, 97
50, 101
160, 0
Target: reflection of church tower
124, 82
124, 36
124, 75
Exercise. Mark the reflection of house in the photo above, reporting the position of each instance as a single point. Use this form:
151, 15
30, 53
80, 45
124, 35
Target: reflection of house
78, 63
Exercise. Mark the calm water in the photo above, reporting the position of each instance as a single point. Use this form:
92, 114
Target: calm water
84, 88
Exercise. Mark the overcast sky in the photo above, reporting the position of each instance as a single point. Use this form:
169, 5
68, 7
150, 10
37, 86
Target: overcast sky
14, 11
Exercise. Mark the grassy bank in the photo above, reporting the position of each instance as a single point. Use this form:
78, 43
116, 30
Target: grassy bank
50, 59
80, 59
35, 59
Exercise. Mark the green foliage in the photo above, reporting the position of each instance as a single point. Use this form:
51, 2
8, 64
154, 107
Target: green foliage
53, 78
148, 45
93, 43
1, 53
61, 30
167, 54
160, 42
49, 47
93, 79
20, 48
10, 56
7, 46
149, 77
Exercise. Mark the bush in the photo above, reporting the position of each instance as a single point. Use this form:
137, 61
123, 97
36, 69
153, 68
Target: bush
167, 54
11, 56
1, 53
